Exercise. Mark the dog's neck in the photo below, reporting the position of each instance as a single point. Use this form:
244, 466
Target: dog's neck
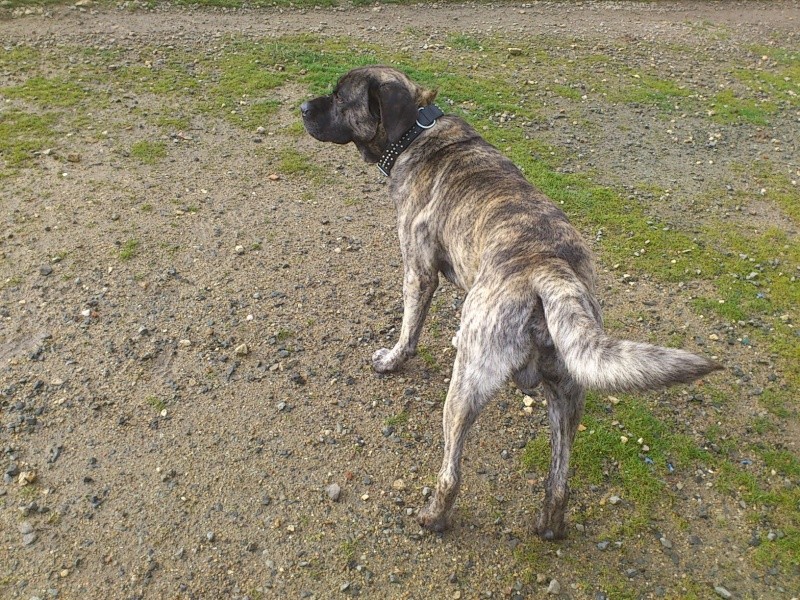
426, 118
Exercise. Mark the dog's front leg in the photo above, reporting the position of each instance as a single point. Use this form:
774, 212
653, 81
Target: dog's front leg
418, 287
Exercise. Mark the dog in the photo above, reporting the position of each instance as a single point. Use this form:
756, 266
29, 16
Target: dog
530, 314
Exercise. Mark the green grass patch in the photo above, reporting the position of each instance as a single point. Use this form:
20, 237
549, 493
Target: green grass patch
651, 91
400, 418
293, 162
129, 249
173, 123
148, 152
428, 358
22, 134
156, 403
48, 93
728, 108
779, 80
462, 41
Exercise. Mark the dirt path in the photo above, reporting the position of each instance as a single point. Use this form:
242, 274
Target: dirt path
184, 339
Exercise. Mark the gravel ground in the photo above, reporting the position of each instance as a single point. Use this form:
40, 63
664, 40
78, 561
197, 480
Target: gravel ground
200, 420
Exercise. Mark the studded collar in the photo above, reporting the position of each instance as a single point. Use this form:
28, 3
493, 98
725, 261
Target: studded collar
426, 118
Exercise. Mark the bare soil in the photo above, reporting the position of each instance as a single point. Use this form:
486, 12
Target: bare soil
184, 410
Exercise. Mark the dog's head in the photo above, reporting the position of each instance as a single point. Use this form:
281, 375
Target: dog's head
371, 106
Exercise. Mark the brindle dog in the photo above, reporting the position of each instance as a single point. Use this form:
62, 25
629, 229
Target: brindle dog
465, 211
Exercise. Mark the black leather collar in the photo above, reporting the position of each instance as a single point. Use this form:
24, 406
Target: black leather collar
426, 118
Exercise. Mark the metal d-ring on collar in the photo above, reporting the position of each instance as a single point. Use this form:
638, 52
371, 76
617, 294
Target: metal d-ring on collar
426, 118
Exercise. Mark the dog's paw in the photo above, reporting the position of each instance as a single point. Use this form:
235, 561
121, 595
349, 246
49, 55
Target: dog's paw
551, 532
433, 521
384, 361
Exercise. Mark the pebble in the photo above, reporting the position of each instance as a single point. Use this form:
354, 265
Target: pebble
45, 270
603, 545
426, 492
665, 542
25, 528
210, 536
615, 500
26, 478
722, 592
239, 249
554, 588
333, 491
29, 538
242, 350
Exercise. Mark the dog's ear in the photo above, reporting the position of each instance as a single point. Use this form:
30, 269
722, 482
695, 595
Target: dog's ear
395, 105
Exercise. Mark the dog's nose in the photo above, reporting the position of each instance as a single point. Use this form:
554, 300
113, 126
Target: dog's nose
304, 108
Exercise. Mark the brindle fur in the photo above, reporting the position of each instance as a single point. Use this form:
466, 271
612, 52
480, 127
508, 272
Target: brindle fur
465, 211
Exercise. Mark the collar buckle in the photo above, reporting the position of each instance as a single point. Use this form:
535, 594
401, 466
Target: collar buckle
427, 118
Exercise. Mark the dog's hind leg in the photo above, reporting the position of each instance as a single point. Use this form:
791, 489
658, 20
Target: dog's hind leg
460, 411
490, 349
565, 402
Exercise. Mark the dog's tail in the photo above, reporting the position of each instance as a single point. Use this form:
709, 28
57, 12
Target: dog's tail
598, 361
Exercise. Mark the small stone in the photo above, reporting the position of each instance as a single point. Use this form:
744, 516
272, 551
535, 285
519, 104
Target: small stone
274, 177
29, 538
665, 542
426, 492
399, 484
333, 491
722, 592
344, 587
25, 528
515, 51
242, 350
614, 500
713, 337
26, 478
623, 439
554, 588
614, 400
603, 545
239, 249
45, 270
210, 536
184, 343
528, 401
